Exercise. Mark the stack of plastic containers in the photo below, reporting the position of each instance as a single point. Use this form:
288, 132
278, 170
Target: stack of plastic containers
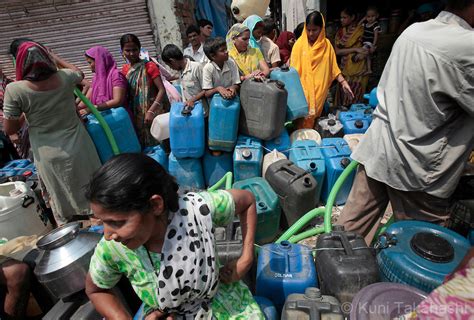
187, 145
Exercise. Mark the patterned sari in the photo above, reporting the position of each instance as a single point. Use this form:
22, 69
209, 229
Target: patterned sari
141, 97
346, 38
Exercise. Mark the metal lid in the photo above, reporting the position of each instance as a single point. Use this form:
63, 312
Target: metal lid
358, 124
59, 236
432, 247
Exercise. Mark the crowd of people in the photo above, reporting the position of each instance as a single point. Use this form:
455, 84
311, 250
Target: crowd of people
163, 241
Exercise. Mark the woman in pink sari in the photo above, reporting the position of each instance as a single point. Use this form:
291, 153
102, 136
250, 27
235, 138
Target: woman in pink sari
109, 85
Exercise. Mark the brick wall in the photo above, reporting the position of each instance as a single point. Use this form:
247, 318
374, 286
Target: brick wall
185, 16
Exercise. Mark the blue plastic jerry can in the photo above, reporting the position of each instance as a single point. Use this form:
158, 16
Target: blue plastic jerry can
223, 123
267, 308
355, 122
372, 97
283, 269
336, 154
307, 155
187, 171
281, 144
122, 129
187, 130
297, 106
215, 165
158, 154
248, 158
268, 208
361, 108
15, 167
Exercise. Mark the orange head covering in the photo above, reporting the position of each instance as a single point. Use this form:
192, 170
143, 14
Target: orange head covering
317, 67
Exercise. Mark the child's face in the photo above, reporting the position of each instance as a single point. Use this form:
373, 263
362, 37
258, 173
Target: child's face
221, 55
193, 39
258, 31
174, 64
242, 41
291, 42
371, 16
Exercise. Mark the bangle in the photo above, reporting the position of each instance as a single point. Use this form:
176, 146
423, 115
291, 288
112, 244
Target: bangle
156, 102
152, 112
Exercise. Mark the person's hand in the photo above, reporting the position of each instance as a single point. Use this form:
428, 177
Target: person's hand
235, 270
362, 50
149, 116
189, 103
372, 50
158, 315
347, 89
232, 92
84, 112
224, 92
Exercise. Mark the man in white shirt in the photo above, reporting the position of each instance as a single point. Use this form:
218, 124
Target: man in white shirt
423, 129
195, 49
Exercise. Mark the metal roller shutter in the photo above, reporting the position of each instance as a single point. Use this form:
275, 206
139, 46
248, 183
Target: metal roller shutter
72, 27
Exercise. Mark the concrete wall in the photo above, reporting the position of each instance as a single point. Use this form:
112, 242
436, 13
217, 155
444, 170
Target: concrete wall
171, 18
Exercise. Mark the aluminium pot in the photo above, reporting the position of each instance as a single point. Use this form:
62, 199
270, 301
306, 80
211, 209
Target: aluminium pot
64, 259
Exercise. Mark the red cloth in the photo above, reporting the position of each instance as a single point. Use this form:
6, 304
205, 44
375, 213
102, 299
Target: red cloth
283, 42
152, 70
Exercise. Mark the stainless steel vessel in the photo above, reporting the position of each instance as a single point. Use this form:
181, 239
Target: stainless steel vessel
64, 261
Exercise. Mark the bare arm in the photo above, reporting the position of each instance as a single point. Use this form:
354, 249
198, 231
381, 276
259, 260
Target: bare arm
105, 301
160, 95
245, 208
343, 52
197, 97
264, 68
117, 99
63, 64
376, 38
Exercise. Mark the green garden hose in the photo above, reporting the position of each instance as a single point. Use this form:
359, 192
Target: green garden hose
103, 124
298, 225
227, 178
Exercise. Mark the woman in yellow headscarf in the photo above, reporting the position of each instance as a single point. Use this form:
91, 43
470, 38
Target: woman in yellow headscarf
250, 60
315, 60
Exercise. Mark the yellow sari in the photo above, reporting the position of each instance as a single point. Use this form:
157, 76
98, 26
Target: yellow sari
247, 61
346, 38
317, 66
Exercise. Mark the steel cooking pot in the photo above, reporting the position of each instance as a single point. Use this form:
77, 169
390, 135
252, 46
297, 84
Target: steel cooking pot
64, 259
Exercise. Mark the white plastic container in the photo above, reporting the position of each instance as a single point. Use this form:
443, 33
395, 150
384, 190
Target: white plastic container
241, 9
20, 213
160, 127
270, 158
353, 139
305, 134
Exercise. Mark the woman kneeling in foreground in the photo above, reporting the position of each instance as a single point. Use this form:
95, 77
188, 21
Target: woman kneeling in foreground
164, 244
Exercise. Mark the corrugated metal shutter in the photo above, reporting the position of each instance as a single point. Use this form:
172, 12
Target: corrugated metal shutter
72, 27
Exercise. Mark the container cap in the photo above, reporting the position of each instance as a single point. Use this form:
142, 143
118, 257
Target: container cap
331, 122
345, 162
358, 124
247, 154
313, 293
285, 68
432, 247
280, 84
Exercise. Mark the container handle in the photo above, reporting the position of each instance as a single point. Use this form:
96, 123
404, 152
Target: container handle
27, 201
187, 110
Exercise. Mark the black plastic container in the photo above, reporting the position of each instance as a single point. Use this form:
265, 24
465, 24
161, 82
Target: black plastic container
311, 305
295, 187
229, 242
344, 264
